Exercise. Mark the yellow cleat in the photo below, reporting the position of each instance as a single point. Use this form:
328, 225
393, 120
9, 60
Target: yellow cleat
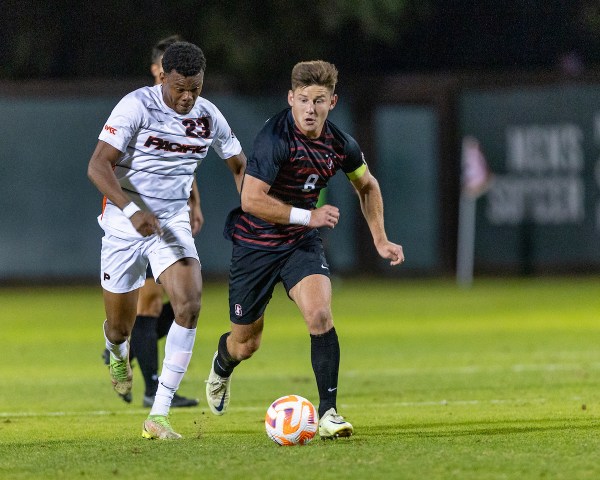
158, 427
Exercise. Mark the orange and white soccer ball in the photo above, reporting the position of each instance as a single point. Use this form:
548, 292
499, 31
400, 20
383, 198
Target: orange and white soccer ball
291, 420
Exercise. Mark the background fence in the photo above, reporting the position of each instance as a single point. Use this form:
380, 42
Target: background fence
540, 136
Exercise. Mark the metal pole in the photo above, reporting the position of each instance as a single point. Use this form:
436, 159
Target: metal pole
466, 240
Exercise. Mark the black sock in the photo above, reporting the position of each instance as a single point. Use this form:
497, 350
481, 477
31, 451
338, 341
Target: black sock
223, 363
165, 320
325, 358
144, 347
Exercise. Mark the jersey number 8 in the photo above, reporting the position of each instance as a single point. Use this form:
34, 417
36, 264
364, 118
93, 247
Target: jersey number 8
310, 182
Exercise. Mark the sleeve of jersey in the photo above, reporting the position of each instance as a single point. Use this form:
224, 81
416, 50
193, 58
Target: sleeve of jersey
355, 164
268, 153
225, 142
122, 123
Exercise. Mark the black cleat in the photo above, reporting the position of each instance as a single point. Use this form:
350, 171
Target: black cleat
177, 402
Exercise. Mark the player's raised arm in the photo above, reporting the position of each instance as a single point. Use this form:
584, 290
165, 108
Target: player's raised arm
371, 204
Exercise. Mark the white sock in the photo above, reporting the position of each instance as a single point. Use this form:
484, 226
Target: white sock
119, 351
178, 353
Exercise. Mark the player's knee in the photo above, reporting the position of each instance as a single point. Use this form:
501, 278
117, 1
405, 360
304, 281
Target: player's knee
247, 349
187, 311
154, 307
149, 303
243, 349
319, 320
117, 332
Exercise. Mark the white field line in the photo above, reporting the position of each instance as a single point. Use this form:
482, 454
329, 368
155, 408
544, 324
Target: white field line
143, 412
518, 368
474, 369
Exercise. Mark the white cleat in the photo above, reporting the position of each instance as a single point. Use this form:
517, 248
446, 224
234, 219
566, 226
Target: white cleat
332, 425
217, 391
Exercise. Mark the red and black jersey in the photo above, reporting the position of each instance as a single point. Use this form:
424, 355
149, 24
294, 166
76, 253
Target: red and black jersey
297, 168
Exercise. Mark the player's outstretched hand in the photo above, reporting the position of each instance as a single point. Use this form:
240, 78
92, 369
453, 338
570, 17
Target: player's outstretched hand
146, 223
325, 216
391, 251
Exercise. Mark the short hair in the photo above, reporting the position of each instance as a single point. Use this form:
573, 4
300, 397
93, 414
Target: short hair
314, 72
185, 58
159, 49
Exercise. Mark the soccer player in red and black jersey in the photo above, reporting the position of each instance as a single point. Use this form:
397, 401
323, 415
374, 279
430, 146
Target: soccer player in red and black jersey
276, 239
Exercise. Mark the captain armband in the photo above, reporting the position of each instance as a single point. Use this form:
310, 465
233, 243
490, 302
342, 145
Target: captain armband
299, 216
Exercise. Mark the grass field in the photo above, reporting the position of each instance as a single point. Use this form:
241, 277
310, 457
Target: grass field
500, 381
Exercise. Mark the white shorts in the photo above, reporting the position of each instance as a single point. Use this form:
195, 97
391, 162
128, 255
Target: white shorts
123, 262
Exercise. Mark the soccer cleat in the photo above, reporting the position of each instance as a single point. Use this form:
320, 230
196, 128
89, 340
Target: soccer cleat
121, 377
158, 427
332, 425
178, 401
217, 391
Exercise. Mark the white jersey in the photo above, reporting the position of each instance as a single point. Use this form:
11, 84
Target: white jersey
161, 150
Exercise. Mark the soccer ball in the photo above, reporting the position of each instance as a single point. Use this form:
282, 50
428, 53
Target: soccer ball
291, 420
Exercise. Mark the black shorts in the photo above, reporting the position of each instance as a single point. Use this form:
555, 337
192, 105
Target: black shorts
254, 273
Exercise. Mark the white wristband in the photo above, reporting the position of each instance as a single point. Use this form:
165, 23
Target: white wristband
299, 216
130, 209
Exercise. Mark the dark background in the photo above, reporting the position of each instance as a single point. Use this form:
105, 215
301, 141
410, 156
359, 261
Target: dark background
255, 43
415, 78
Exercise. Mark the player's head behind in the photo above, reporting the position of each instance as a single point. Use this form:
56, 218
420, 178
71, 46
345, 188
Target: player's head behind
183, 75
159, 49
157, 53
312, 95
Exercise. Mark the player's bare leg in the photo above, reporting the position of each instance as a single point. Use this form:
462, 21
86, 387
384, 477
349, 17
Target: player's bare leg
313, 297
153, 316
120, 317
312, 294
183, 283
234, 346
150, 300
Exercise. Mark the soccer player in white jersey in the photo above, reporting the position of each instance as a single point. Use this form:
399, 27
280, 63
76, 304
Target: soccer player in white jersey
144, 166
154, 316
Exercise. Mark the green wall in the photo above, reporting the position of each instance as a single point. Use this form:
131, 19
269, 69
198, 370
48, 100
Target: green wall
48, 207
407, 170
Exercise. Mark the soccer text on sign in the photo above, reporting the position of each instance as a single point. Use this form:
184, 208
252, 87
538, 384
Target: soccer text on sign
543, 183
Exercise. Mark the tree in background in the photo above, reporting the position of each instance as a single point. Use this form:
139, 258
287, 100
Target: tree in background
257, 42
